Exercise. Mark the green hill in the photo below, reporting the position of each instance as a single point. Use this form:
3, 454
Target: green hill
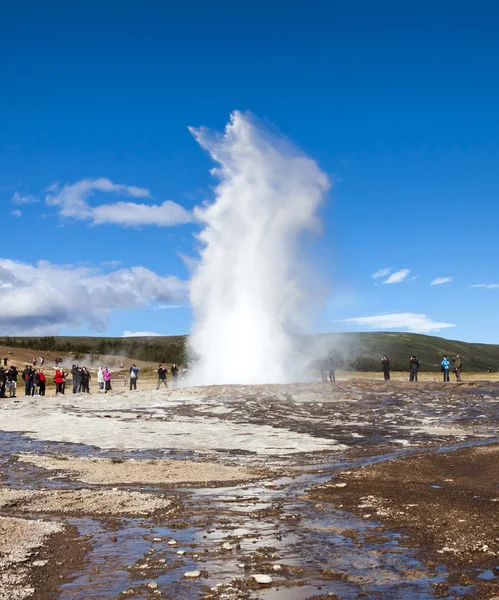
354, 351
363, 351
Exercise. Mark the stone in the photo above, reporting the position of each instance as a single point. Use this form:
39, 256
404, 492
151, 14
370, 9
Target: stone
153, 585
192, 574
227, 546
263, 579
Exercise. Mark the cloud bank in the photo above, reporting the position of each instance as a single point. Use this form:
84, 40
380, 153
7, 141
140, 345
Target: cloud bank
43, 298
72, 203
412, 322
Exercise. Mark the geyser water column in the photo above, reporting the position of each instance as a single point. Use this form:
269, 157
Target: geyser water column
249, 291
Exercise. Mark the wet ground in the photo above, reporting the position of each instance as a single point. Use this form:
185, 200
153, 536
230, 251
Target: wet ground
286, 526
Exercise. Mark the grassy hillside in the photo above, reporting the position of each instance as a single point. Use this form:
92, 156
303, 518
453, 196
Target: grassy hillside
363, 351
355, 351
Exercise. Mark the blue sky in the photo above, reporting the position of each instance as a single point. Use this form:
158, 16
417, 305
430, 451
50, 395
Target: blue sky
396, 102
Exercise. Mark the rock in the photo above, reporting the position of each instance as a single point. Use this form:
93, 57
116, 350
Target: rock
180, 552
172, 542
227, 546
40, 563
157, 540
263, 579
276, 567
153, 585
192, 574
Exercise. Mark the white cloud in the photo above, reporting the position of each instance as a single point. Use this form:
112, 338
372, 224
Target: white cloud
166, 306
45, 298
381, 273
487, 286
415, 323
27, 199
16, 213
398, 276
127, 334
130, 214
72, 202
440, 280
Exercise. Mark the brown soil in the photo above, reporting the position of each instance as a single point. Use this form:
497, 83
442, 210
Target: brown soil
81, 502
446, 502
19, 540
106, 471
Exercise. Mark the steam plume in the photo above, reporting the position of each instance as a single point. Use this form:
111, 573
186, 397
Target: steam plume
249, 292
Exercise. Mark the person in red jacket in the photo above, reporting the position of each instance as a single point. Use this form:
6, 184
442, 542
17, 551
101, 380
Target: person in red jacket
59, 381
41, 385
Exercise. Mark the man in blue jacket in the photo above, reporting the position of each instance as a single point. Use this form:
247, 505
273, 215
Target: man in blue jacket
134, 373
445, 368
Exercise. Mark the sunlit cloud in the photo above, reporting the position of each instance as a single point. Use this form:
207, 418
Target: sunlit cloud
413, 322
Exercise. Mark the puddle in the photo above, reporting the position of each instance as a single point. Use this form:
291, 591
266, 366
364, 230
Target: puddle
265, 527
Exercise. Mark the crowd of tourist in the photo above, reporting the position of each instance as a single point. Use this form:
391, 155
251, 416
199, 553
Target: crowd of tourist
78, 378
414, 366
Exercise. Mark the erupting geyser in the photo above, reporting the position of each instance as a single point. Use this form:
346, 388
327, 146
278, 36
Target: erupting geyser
249, 291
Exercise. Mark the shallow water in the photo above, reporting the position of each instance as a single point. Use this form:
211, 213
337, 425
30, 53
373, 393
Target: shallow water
299, 534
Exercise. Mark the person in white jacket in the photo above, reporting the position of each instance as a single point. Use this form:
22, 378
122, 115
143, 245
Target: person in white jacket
100, 379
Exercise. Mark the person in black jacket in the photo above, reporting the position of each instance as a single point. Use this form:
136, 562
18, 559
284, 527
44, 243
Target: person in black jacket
36, 383
12, 381
414, 366
28, 380
3, 382
385, 363
162, 377
85, 380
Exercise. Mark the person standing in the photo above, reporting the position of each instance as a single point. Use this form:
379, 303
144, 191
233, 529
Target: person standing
134, 373
414, 367
36, 383
100, 379
107, 380
458, 365
332, 370
59, 381
74, 374
445, 364
3, 382
323, 370
385, 364
174, 371
28, 380
41, 384
85, 380
162, 377
12, 380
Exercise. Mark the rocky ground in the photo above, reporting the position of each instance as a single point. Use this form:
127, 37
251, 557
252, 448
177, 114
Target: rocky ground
356, 490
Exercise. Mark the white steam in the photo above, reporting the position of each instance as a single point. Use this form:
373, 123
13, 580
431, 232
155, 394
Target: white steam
250, 290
